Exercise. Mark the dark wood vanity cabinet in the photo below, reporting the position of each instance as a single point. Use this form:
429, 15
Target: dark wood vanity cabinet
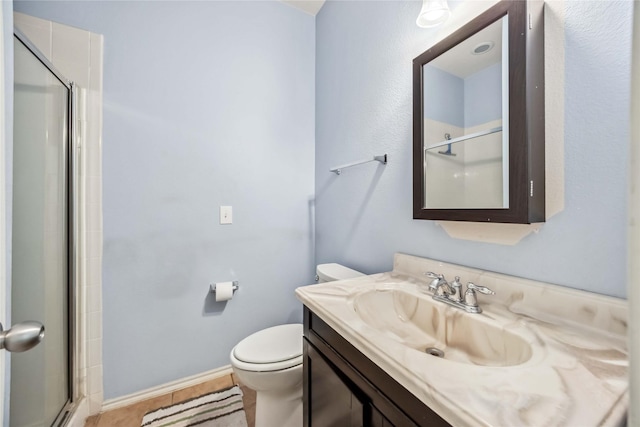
342, 387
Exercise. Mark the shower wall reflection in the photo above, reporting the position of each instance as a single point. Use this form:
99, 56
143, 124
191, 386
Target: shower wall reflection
466, 102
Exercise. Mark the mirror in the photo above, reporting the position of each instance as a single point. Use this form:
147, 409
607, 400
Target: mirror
465, 142
479, 120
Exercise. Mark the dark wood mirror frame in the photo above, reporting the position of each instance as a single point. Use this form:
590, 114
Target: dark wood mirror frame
526, 117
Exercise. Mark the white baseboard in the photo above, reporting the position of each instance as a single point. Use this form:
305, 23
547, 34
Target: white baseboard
162, 389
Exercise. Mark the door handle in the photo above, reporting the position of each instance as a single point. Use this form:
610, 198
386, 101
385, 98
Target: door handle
22, 336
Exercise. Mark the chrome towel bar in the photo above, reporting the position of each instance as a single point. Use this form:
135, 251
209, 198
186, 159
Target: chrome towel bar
338, 169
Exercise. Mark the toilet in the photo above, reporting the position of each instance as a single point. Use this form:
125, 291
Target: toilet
270, 362
333, 271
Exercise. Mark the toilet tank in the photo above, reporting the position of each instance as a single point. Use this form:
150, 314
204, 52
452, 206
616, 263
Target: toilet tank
332, 271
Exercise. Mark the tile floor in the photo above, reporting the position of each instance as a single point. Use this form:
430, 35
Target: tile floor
131, 416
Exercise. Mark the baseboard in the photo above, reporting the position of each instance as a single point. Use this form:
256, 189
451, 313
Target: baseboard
162, 389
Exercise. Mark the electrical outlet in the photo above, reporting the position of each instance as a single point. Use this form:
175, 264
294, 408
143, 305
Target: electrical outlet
226, 215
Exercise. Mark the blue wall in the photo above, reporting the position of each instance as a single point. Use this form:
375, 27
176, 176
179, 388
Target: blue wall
205, 104
363, 107
446, 95
483, 96
464, 103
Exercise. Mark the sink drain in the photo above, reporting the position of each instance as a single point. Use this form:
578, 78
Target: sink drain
434, 351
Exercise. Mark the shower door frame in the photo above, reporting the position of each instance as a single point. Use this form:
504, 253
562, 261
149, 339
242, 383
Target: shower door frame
72, 187
3, 198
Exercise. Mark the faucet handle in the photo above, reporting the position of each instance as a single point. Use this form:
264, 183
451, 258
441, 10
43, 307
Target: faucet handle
437, 283
437, 279
433, 275
481, 289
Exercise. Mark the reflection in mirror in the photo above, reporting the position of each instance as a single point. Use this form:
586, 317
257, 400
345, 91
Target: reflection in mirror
466, 116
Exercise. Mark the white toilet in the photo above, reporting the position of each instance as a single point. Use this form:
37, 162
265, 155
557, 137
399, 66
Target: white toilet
333, 271
270, 362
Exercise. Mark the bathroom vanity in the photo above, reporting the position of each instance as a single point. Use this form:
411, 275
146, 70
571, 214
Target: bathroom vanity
342, 387
538, 354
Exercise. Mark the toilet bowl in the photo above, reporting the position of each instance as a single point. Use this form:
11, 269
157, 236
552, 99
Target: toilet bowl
270, 362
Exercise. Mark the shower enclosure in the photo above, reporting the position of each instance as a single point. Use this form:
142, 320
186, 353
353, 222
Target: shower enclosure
42, 249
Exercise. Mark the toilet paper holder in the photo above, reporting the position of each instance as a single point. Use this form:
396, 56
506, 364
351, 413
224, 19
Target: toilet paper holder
212, 287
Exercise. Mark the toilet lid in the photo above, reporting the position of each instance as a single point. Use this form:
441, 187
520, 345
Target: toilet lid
271, 345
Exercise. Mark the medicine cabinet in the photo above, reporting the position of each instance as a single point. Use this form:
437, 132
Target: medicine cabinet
478, 120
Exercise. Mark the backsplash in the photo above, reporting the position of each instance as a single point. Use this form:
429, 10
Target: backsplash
560, 305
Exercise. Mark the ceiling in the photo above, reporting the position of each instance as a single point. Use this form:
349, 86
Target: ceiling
312, 7
460, 61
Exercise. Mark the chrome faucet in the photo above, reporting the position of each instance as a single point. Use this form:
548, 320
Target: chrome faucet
457, 290
439, 285
451, 293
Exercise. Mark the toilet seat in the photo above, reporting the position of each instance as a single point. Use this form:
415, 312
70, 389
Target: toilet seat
271, 349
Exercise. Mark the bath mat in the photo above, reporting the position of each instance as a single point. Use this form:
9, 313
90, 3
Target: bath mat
219, 409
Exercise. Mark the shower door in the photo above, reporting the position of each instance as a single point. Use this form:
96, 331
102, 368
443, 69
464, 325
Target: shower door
40, 286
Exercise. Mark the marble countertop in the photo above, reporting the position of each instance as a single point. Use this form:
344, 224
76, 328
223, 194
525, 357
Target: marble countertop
576, 373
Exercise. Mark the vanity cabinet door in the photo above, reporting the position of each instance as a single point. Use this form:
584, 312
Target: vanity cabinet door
378, 420
332, 402
342, 387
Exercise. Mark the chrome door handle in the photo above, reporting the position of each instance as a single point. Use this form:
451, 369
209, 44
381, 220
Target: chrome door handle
22, 336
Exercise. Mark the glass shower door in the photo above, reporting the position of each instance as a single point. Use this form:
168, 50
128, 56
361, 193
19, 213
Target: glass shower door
40, 386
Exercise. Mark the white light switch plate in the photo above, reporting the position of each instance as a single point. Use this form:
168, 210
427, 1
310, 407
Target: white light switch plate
226, 215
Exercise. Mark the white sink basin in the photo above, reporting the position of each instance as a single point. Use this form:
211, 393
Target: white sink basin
439, 330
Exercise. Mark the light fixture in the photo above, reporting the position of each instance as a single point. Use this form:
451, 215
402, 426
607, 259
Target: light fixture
482, 48
433, 13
